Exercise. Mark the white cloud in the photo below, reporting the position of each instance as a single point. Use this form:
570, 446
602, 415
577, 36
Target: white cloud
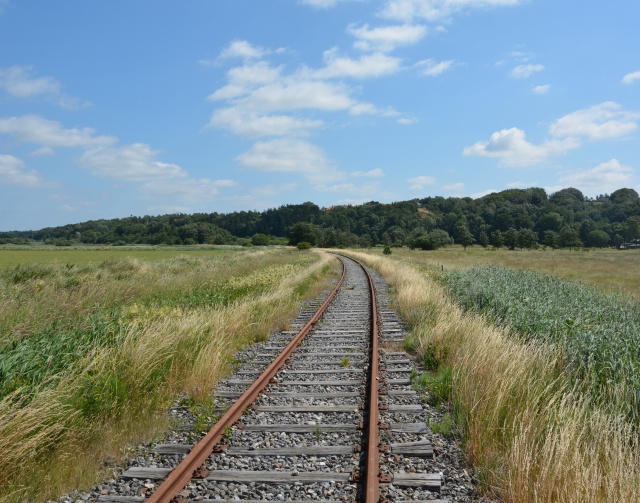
41, 131
362, 189
288, 155
132, 163
407, 120
42, 151
513, 149
186, 189
374, 173
606, 120
432, 68
242, 79
606, 177
243, 49
386, 38
544, 89
482, 193
239, 122
454, 187
371, 65
14, 172
525, 71
419, 182
630, 78
22, 82
520, 185
433, 10
324, 4
271, 190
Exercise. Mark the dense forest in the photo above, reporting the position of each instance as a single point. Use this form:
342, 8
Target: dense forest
516, 218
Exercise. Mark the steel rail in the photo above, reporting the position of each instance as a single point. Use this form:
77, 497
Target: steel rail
372, 466
177, 480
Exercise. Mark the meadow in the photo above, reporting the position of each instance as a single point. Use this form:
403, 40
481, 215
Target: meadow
522, 354
609, 269
92, 352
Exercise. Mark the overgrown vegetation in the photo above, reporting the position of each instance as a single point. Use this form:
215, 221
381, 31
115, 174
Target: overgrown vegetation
532, 433
599, 333
88, 350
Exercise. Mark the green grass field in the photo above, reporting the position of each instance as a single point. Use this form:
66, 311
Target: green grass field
611, 270
82, 255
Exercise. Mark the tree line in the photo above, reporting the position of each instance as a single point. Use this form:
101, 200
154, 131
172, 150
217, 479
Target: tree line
515, 218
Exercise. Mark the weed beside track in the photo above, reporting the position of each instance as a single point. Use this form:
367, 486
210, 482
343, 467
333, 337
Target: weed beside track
88, 351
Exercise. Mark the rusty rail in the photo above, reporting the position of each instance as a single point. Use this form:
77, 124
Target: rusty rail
372, 466
177, 480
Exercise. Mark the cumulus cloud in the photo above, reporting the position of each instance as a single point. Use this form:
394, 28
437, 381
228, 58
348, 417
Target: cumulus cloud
13, 171
630, 78
324, 4
263, 101
544, 89
420, 182
433, 68
243, 49
373, 173
48, 133
453, 187
23, 82
513, 149
386, 38
525, 71
244, 123
371, 65
287, 155
606, 177
42, 151
186, 189
133, 163
606, 120
434, 10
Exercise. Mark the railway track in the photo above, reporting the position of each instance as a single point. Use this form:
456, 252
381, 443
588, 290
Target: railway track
323, 412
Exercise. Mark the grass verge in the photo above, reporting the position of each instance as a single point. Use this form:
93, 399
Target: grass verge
534, 435
172, 327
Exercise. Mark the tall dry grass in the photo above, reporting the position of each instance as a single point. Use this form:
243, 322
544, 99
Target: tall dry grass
59, 438
531, 436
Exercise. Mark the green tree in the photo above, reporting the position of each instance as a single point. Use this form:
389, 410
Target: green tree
527, 238
598, 239
570, 238
496, 239
510, 238
303, 231
464, 236
552, 239
260, 240
484, 239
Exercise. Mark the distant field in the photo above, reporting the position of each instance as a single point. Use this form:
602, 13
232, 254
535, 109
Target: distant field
12, 256
613, 270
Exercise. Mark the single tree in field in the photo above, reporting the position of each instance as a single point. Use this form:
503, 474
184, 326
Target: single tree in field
570, 238
552, 239
484, 239
598, 239
303, 231
496, 239
464, 236
527, 238
511, 238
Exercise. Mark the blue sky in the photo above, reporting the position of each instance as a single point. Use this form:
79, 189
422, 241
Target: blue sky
117, 108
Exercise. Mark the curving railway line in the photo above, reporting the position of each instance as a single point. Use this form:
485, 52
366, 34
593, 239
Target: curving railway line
324, 412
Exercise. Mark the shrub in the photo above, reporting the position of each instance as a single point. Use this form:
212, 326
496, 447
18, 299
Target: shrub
304, 245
